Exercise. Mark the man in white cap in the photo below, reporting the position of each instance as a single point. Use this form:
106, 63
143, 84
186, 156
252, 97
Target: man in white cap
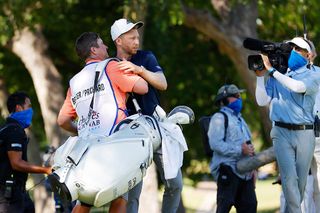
291, 97
126, 37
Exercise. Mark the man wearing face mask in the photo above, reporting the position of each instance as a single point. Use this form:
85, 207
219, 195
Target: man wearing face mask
14, 167
229, 138
291, 97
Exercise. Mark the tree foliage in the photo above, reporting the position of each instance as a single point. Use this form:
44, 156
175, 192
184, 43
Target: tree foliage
194, 64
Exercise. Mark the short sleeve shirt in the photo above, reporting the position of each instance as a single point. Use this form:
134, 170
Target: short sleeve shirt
121, 83
150, 100
13, 138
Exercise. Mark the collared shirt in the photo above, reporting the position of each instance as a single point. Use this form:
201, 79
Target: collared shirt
228, 152
291, 107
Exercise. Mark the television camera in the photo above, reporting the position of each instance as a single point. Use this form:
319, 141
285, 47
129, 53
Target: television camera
278, 54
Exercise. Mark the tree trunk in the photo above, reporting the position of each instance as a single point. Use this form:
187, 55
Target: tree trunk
3, 98
256, 161
235, 24
30, 47
149, 195
42, 199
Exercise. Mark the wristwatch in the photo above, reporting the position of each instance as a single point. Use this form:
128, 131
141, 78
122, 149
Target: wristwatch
271, 71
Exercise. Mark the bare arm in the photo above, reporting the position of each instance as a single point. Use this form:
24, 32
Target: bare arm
67, 115
155, 79
140, 87
66, 123
21, 165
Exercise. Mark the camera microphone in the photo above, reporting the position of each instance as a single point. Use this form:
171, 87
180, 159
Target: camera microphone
255, 44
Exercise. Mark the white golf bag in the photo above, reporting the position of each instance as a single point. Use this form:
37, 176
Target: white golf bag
97, 169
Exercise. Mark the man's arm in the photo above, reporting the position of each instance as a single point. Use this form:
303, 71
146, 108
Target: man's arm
126, 81
292, 84
66, 115
140, 87
66, 123
262, 97
155, 79
21, 165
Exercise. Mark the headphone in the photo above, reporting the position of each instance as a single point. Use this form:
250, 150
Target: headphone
224, 99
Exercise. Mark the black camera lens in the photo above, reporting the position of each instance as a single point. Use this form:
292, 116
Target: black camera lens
255, 62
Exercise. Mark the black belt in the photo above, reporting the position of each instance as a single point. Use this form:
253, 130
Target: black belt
293, 126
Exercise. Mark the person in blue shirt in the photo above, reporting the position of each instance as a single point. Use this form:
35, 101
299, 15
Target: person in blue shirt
291, 97
126, 37
230, 143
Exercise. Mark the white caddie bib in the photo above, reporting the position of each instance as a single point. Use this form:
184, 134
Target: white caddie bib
105, 109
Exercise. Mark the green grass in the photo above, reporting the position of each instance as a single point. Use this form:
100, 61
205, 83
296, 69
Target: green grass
203, 197
268, 196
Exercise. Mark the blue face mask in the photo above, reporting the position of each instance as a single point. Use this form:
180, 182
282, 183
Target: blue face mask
23, 117
296, 61
236, 106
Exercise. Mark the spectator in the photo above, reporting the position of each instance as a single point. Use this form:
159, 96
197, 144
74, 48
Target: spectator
230, 143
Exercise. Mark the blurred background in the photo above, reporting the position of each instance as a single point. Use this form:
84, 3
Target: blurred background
197, 43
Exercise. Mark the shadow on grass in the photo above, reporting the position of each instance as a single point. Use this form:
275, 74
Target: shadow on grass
273, 210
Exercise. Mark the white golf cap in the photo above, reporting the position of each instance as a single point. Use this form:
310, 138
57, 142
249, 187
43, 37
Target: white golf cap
121, 26
302, 43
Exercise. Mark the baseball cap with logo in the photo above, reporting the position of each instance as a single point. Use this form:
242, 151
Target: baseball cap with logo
122, 26
302, 43
227, 91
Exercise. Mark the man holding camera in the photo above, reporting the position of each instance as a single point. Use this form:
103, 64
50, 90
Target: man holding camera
229, 138
291, 97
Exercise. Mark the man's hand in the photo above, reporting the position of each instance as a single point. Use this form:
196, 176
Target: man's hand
255, 177
128, 67
266, 62
267, 66
260, 73
247, 149
48, 170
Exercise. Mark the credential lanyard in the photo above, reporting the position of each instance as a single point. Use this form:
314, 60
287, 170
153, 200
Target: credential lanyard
99, 69
96, 77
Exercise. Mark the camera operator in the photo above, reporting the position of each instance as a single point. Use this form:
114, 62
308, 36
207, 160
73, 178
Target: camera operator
291, 97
